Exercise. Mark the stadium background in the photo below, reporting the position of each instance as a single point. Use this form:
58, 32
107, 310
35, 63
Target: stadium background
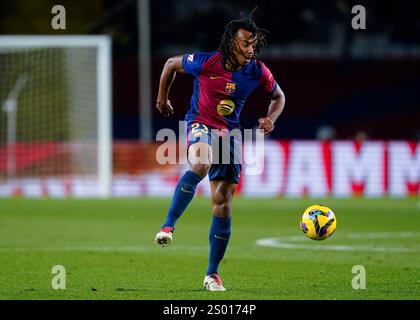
340, 83
352, 113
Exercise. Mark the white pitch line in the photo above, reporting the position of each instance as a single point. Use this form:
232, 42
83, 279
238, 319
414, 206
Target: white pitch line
383, 235
133, 249
287, 243
277, 242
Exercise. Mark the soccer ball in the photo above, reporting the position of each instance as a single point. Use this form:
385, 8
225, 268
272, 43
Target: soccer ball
318, 222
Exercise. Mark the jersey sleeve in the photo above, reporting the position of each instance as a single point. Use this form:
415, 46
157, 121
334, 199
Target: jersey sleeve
267, 81
192, 62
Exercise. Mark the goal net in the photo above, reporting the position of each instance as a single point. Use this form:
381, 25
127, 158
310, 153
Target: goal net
55, 116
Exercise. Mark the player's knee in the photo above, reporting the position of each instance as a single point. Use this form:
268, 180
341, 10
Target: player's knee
222, 205
200, 169
222, 210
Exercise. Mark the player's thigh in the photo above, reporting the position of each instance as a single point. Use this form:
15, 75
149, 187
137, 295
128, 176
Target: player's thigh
199, 144
200, 153
200, 157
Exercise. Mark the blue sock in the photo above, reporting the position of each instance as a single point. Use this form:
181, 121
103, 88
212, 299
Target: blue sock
184, 193
219, 239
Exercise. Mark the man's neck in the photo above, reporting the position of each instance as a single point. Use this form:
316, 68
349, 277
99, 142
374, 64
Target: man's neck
229, 65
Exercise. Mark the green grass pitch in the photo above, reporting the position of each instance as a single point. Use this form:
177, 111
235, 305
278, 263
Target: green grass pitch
107, 250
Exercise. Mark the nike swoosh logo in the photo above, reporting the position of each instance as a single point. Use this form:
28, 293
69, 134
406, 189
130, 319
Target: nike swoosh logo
217, 237
185, 190
214, 77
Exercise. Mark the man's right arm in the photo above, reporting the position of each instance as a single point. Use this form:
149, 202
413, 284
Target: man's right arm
172, 66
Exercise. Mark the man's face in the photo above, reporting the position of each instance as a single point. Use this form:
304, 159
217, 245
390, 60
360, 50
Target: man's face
245, 43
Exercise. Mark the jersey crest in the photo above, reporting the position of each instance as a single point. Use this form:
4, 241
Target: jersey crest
230, 87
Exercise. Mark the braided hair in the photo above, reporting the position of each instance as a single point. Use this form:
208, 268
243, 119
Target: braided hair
227, 44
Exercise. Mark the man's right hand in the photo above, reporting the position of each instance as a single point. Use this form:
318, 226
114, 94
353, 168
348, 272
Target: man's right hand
165, 108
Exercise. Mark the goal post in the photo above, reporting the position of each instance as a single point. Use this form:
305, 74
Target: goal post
56, 114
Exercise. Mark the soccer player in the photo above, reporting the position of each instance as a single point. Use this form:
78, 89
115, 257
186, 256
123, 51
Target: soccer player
223, 81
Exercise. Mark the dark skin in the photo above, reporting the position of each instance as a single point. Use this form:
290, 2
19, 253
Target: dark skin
221, 191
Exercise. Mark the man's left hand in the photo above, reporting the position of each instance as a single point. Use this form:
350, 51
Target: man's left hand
266, 124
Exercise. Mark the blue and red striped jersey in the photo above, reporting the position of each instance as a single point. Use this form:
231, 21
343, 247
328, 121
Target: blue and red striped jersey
218, 94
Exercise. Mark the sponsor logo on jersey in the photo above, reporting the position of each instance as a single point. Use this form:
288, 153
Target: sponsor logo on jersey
225, 107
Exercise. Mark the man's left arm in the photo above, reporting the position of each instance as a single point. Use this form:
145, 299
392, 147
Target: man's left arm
275, 109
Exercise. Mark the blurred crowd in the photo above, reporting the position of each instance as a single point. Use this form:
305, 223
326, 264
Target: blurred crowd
361, 84
199, 24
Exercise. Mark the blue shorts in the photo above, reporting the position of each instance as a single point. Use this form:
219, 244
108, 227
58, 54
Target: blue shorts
227, 153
